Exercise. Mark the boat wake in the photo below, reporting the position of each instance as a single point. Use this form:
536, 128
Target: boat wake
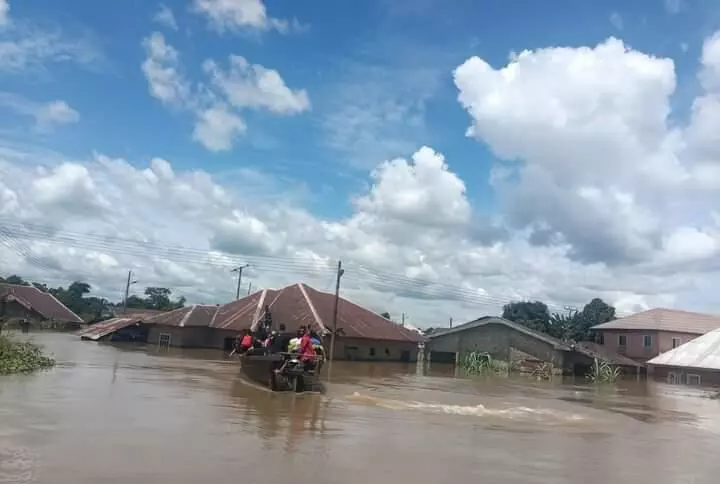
480, 410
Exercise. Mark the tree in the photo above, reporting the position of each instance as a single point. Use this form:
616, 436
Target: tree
15, 280
385, 315
533, 314
595, 312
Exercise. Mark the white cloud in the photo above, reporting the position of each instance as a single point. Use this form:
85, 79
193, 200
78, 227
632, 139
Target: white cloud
56, 113
217, 111
4, 13
47, 115
217, 128
253, 86
234, 15
166, 17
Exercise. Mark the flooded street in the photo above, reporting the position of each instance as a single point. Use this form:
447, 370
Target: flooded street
128, 414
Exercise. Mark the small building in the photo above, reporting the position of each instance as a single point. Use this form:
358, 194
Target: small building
512, 342
361, 333
644, 335
39, 308
696, 362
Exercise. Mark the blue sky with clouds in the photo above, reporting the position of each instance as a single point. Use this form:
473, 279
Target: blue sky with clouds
378, 75
272, 120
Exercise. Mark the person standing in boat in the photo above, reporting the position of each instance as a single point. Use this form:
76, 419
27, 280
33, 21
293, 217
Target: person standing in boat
246, 342
306, 349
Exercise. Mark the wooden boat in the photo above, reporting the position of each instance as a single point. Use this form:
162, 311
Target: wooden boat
282, 372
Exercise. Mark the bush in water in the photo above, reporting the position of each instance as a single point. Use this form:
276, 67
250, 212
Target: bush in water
603, 372
21, 357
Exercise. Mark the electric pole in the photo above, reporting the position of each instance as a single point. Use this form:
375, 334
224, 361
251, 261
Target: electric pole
403, 320
340, 272
450, 322
127, 290
249, 287
239, 271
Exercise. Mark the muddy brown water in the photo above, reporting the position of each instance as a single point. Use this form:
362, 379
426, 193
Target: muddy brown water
132, 415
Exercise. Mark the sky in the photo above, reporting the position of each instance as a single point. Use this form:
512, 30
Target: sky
455, 156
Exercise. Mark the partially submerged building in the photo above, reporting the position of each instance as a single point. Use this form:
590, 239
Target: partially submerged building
512, 342
696, 362
35, 306
361, 333
644, 335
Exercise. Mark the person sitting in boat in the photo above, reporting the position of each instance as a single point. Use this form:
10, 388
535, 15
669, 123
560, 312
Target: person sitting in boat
294, 344
306, 349
246, 342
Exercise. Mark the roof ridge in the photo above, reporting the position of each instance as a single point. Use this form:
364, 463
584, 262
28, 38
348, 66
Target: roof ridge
314, 312
187, 316
253, 325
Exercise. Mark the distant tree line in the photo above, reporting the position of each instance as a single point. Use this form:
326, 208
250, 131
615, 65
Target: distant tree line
91, 308
573, 325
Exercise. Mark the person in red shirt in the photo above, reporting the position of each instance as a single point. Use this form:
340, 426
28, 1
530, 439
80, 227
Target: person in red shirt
246, 342
306, 350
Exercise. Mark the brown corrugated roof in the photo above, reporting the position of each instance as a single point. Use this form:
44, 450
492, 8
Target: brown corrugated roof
198, 315
104, 328
294, 306
137, 312
661, 319
601, 352
44, 303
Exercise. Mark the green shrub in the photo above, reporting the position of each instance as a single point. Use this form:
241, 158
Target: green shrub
603, 372
21, 357
476, 363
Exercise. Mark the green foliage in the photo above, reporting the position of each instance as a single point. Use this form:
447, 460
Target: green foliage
573, 326
603, 372
477, 363
21, 357
76, 297
385, 315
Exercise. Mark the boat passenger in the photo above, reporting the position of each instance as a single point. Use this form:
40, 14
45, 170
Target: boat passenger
306, 350
246, 342
294, 344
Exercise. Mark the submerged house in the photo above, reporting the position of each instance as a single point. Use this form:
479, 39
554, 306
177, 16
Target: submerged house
512, 342
37, 307
696, 362
645, 335
361, 333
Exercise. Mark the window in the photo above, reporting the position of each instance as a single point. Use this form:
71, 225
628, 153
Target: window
387, 351
647, 341
600, 337
164, 339
622, 340
676, 342
693, 379
672, 378
372, 351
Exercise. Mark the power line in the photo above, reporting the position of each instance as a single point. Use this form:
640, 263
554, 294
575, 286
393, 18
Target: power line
12, 235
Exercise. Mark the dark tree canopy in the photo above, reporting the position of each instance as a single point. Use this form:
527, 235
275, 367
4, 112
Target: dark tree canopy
533, 314
91, 308
385, 315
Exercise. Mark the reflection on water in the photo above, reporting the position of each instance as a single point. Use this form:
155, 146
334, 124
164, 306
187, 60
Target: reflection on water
132, 414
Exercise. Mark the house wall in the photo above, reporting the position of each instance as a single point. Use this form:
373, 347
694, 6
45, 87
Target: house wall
15, 312
680, 375
661, 341
356, 349
496, 339
186, 337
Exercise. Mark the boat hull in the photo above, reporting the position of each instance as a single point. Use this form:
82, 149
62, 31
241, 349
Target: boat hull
262, 369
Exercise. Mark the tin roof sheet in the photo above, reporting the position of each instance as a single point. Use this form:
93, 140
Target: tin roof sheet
702, 352
661, 319
44, 303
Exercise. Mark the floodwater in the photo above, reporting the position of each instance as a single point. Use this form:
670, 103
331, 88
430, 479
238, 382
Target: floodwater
132, 415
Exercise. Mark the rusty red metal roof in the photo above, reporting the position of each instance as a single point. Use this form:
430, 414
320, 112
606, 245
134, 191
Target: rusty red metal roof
104, 328
198, 315
294, 306
661, 319
43, 303
137, 312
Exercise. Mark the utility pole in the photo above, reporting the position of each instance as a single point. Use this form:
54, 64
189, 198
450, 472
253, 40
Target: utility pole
239, 271
340, 272
129, 283
403, 320
451, 323
249, 287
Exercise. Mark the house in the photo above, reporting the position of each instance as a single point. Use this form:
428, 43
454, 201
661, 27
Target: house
644, 335
696, 362
508, 341
361, 333
31, 304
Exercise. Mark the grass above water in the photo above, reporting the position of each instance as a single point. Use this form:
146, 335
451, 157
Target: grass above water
22, 357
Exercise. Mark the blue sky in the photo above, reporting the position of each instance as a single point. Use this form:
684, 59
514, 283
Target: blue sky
114, 110
404, 52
